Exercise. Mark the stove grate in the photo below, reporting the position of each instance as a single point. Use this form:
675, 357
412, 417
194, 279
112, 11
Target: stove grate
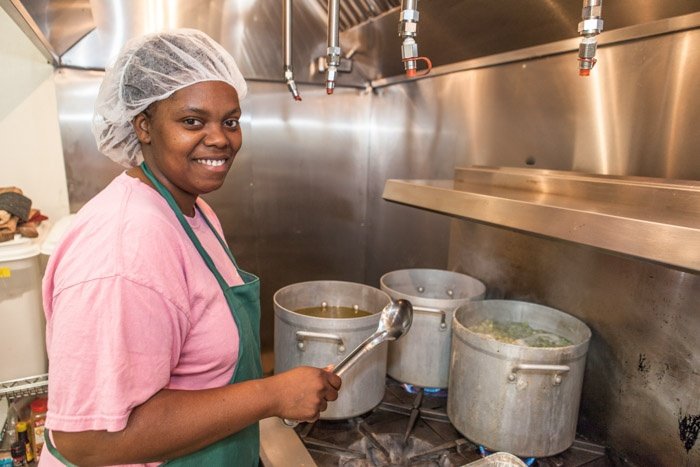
413, 429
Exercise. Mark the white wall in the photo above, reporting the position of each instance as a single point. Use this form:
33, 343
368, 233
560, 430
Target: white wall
31, 155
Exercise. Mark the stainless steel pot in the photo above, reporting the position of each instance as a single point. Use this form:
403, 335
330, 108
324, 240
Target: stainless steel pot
314, 341
422, 356
513, 398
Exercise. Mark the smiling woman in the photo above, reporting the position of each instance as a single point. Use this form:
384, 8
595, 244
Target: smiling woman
152, 328
190, 140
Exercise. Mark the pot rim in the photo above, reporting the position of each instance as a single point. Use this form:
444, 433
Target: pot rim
446, 304
279, 308
508, 350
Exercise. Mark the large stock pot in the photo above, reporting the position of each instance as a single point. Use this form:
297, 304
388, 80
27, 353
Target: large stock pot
511, 397
318, 341
422, 356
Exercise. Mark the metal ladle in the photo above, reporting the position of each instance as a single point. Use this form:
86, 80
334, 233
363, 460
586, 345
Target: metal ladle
395, 321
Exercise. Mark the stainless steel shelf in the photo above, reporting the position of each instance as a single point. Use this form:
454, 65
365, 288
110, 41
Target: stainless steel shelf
14, 389
647, 218
30, 386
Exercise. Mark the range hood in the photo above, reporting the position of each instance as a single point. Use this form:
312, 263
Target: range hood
88, 33
54, 26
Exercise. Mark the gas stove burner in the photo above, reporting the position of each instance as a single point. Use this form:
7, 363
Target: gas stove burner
434, 392
390, 449
485, 452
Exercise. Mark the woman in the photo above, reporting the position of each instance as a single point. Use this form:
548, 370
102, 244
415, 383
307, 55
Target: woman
152, 329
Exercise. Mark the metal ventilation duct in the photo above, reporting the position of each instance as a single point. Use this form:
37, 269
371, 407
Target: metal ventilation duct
54, 26
63, 22
356, 12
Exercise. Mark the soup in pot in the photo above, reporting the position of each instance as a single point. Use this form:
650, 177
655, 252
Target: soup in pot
519, 333
333, 312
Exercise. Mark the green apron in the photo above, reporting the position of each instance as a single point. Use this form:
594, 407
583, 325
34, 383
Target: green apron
243, 447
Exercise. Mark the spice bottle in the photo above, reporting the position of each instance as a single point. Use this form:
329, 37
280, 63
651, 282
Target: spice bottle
19, 454
12, 419
23, 437
38, 409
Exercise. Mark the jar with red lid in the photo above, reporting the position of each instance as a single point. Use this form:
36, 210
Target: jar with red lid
38, 409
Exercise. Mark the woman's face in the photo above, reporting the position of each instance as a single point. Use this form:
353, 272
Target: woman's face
190, 139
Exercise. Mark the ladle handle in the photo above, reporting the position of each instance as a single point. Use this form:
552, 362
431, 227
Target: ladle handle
358, 352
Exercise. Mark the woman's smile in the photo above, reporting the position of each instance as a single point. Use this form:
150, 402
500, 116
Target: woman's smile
211, 162
214, 164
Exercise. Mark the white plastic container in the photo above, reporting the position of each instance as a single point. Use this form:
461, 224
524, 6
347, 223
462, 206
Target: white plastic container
54, 236
23, 352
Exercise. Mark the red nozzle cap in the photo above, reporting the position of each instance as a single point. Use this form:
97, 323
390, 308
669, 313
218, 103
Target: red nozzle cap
411, 72
584, 72
297, 98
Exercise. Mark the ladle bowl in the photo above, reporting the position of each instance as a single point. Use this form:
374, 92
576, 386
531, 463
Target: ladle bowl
394, 321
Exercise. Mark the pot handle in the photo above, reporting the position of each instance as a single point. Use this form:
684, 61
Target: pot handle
425, 309
557, 369
303, 335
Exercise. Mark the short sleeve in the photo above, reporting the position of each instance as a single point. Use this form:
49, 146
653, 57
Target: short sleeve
113, 344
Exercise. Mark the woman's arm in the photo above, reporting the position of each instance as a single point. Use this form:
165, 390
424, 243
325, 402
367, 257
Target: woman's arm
174, 423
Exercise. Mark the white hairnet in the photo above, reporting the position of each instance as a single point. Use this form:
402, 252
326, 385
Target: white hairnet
149, 69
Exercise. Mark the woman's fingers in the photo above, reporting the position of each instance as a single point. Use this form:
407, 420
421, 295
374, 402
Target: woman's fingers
335, 382
306, 391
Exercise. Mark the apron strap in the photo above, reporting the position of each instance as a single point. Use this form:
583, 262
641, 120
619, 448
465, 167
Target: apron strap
218, 237
54, 452
186, 226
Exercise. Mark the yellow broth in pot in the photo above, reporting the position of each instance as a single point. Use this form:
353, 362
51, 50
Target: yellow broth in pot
333, 312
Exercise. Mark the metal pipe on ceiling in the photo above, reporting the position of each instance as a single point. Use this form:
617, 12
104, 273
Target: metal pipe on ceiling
333, 50
590, 26
287, 34
408, 30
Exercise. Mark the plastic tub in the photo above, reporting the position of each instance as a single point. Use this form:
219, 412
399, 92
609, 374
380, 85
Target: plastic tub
21, 314
54, 236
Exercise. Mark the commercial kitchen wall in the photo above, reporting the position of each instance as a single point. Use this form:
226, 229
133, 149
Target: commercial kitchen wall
303, 202
31, 155
636, 114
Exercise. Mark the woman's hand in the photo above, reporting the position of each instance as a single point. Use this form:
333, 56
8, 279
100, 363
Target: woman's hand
304, 392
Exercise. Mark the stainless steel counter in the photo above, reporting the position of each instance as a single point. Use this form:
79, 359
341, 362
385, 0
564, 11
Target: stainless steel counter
280, 446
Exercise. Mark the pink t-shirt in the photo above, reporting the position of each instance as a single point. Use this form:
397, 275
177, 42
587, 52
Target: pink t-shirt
131, 309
